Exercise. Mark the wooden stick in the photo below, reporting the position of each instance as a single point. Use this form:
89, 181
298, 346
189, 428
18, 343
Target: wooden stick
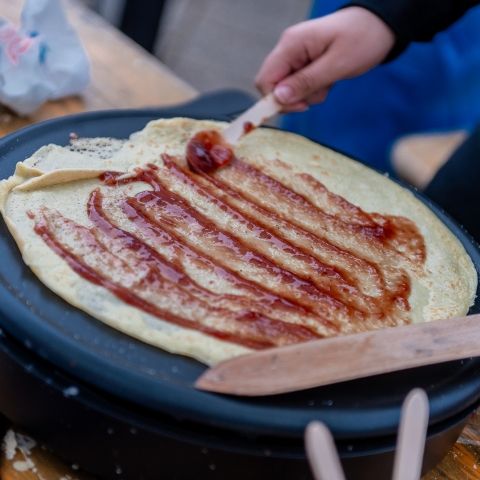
265, 108
411, 436
322, 453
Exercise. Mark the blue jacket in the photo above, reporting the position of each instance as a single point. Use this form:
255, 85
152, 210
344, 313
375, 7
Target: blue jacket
430, 87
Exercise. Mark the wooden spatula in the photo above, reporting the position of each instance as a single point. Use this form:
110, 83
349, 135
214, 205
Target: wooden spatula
265, 108
327, 361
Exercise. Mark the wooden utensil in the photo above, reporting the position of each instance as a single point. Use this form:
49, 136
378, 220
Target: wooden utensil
333, 360
322, 453
323, 457
264, 109
411, 436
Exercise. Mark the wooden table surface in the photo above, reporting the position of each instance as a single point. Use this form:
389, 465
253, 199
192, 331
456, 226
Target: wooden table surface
125, 76
417, 158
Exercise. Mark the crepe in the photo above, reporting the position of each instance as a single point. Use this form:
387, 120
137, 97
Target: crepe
288, 243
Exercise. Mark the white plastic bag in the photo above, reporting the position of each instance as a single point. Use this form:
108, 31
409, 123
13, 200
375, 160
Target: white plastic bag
43, 59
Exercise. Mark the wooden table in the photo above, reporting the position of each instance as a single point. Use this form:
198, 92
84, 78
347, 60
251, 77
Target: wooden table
461, 463
417, 158
123, 76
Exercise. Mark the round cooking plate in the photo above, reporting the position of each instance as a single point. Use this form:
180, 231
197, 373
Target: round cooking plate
134, 371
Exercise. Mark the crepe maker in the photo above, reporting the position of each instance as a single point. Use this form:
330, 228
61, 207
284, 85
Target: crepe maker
119, 408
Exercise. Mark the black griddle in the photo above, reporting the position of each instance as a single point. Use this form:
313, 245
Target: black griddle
75, 382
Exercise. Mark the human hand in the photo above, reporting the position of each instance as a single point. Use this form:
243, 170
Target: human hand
311, 56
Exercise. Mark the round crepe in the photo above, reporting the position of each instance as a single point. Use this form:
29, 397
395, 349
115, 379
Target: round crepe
62, 178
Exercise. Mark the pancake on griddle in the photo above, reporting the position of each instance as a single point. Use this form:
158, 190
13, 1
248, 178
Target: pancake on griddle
287, 243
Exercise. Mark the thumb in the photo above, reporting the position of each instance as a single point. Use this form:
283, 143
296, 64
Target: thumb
316, 77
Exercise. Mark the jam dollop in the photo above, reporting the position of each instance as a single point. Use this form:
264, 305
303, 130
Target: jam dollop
248, 127
207, 151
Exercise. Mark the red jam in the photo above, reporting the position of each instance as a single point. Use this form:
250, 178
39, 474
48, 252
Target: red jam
207, 151
248, 127
295, 265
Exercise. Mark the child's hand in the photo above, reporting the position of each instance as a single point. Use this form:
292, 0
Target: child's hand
311, 56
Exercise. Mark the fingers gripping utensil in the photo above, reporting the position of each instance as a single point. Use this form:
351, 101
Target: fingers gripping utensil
324, 460
332, 360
